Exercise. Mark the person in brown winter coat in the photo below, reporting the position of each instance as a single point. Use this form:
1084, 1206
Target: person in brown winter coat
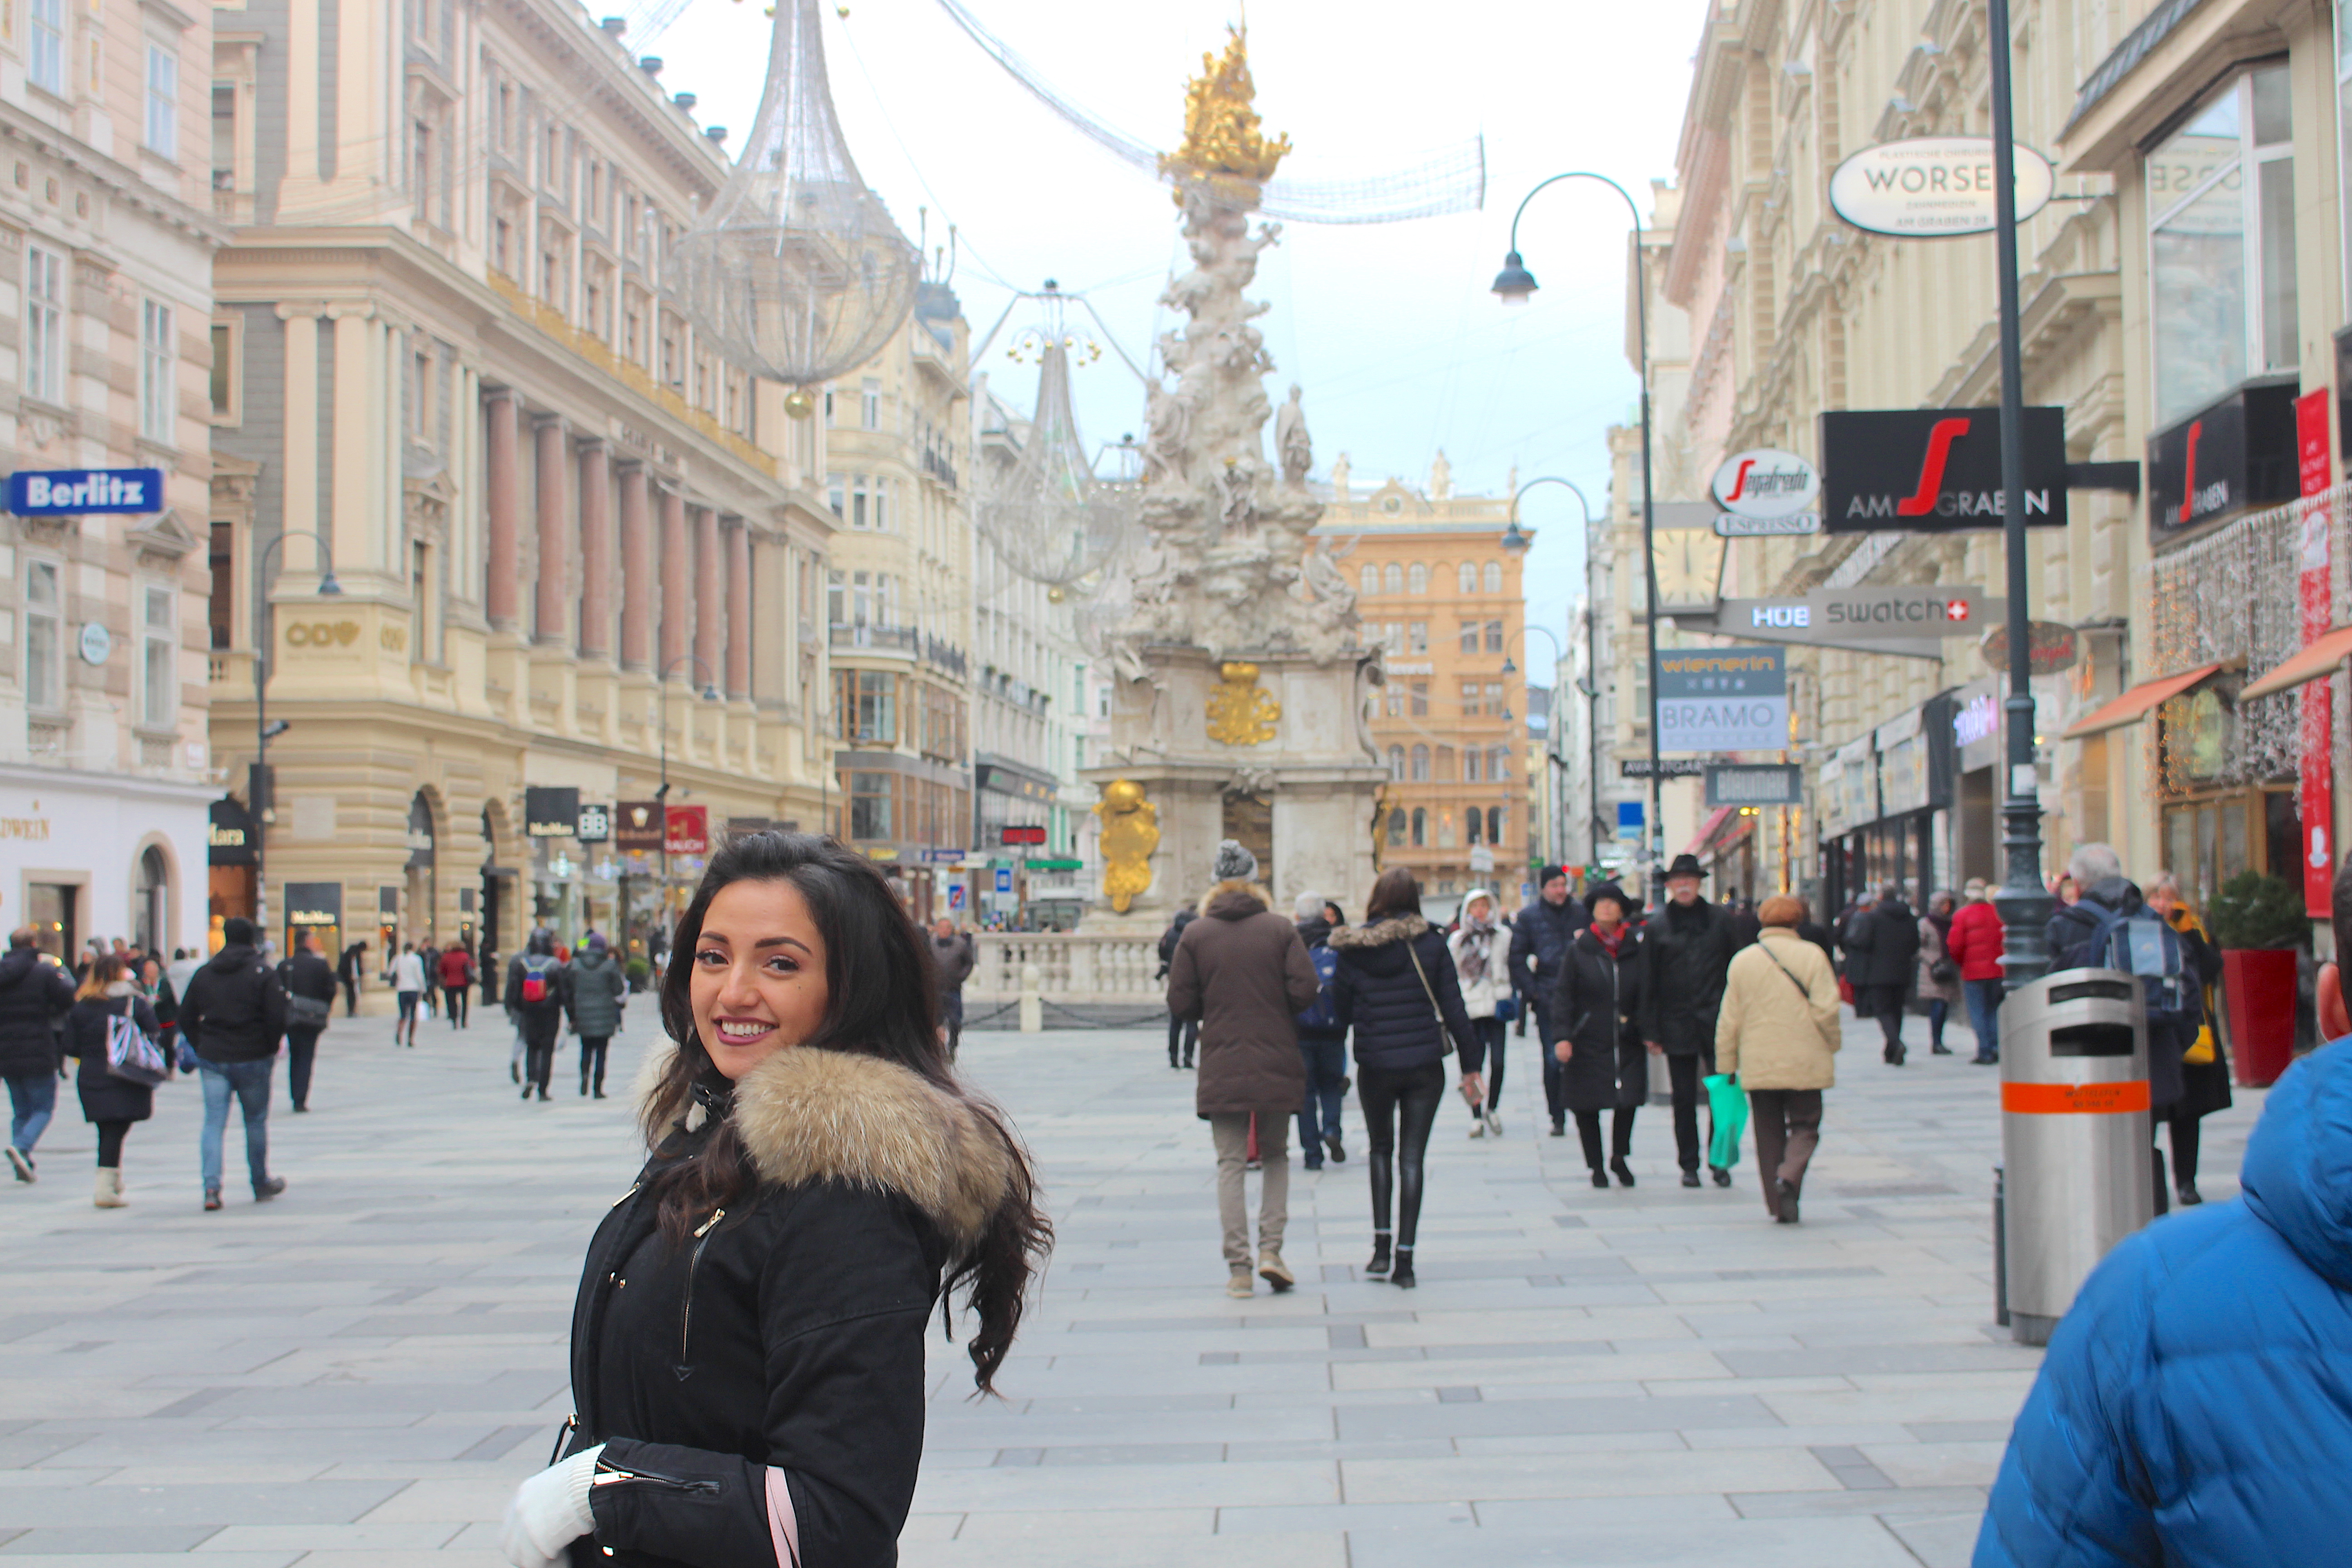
1243, 972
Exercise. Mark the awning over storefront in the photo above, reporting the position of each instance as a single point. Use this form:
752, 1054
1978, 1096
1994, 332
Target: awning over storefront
1707, 829
2134, 705
2318, 659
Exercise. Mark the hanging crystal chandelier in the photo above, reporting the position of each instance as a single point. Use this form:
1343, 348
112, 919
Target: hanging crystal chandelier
1048, 514
796, 271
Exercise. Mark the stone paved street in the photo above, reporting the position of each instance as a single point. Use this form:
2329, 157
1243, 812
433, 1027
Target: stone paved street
359, 1373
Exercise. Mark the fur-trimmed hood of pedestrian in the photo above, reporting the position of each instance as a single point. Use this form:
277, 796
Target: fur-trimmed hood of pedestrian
1379, 933
1239, 893
809, 1114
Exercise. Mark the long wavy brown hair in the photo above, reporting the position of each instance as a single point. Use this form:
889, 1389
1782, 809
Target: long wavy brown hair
880, 1001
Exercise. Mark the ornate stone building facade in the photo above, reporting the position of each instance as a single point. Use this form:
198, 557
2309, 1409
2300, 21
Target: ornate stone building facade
574, 548
105, 241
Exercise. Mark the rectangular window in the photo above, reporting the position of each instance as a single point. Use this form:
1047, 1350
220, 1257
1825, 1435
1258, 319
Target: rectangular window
163, 102
1420, 636
2221, 246
1493, 699
869, 405
873, 707
45, 345
1494, 637
858, 501
223, 137
836, 492
159, 658
870, 806
45, 637
1469, 700
157, 370
223, 561
47, 64
1469, 636
223, 380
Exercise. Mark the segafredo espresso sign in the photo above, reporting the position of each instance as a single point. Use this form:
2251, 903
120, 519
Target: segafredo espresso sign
1763, 492
76, 492
1933, 187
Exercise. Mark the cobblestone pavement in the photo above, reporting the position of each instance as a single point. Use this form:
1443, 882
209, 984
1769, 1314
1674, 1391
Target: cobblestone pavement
358, 1372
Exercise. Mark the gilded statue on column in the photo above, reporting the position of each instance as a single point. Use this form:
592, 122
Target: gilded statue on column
1130, 832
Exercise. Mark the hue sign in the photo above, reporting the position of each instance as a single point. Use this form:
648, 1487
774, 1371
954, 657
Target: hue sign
1936, 471
1933, 187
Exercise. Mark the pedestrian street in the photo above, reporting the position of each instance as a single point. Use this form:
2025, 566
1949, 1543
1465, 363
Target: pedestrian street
359, 1373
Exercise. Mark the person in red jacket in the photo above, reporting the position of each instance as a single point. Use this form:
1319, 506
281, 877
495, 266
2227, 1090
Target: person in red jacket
1975, 943
456, 966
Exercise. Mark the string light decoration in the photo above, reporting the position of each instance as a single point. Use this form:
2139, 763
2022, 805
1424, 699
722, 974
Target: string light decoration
2234, 594
796, 271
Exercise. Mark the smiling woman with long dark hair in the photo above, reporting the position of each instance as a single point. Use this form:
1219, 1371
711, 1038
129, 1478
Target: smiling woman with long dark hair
746, 1349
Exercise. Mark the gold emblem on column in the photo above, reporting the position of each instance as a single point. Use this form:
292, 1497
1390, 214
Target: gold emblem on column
1130, 832
1241, 711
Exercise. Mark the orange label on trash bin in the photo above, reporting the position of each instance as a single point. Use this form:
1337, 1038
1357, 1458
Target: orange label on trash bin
2074, 1098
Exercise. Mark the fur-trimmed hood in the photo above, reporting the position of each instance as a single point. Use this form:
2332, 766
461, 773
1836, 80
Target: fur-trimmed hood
1379, 933
808, 1114
1233, 901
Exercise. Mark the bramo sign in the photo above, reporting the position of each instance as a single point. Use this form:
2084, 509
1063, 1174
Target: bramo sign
1723, 699
1933, 187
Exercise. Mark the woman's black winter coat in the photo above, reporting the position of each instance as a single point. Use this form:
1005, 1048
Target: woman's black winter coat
104, 1096
1379, 995
788, 1330
1597, 1005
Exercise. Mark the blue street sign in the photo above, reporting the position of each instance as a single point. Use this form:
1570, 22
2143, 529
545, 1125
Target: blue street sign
76, 492
955, 895
1629, 819
1004, 879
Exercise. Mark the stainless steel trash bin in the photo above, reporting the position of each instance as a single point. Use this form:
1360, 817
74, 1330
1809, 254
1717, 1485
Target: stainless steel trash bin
2074, 1135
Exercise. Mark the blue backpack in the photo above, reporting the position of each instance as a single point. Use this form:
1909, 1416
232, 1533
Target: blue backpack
1325, 1014
2144, 946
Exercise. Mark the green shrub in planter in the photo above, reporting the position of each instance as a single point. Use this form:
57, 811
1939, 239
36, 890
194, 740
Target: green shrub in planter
2255, 911
639, 971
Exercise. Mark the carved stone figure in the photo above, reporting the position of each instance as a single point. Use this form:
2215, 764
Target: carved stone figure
1290, 439
1130, 832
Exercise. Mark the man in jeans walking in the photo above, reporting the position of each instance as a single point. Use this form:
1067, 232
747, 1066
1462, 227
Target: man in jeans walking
233, 1017
32, 996
1244, 973
1322, 1043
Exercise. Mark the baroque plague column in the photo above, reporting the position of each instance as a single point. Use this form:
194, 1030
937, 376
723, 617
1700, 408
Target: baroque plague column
1241, 679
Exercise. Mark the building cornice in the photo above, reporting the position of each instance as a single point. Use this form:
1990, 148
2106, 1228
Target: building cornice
122, 182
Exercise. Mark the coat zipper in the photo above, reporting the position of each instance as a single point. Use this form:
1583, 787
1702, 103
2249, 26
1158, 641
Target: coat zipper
686, 1309
613, 1475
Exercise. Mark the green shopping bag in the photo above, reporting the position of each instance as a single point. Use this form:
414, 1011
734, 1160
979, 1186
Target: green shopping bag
1726, 1102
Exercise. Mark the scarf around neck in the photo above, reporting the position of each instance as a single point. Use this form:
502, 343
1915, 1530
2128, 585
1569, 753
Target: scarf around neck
1478, 949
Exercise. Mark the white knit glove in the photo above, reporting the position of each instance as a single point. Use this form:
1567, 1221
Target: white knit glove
550, 1511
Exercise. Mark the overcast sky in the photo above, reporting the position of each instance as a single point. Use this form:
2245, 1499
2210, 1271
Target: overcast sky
1389, 328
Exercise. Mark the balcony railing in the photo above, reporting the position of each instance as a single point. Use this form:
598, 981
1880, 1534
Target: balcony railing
883, 639
1074, 968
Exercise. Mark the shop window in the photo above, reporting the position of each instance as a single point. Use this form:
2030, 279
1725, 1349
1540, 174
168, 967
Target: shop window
870, 806
2221, 246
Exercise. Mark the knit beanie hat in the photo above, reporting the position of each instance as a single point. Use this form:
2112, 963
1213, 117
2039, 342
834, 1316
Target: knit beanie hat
1235, 864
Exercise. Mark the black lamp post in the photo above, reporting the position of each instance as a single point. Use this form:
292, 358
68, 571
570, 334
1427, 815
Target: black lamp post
1515, 284
710, 693
265, 807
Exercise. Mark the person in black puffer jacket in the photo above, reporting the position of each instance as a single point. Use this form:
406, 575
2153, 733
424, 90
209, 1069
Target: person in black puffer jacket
34, 997
309, 984
748, 1345
233, 1017
1882, 948
1686, 950
1184, 1031
1598, 1042
1394, 986
1540, 934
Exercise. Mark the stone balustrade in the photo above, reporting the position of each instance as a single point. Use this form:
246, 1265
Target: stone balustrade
1074, 968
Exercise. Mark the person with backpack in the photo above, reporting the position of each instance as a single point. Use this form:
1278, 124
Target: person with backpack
1322, 1042
1187, 1030
310, 1003
1480, 948
233, 1017
594, 991
535, 1006
2112, 927
106, 1001
2205, 1066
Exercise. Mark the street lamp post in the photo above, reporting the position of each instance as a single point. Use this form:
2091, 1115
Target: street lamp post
1514, 540
265, 628
710, 693
1515, 283
2023, 902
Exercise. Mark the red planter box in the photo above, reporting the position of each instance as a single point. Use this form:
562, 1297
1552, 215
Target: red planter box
2258, 988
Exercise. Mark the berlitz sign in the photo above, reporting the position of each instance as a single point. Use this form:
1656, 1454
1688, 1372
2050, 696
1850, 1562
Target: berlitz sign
1933, 187
1936, 471
76, 492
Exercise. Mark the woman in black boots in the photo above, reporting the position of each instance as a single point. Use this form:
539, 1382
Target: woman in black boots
1396, 987
1600, 1049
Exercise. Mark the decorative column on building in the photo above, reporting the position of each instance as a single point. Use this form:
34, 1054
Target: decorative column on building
596, 551
739, 608
502, 574
636, 567
554, 571
675, 572
709, 596
301, 441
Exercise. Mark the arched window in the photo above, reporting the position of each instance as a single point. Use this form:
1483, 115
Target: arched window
1420, 826
1396, 826
1472, 767
1419, 766
1475, 825
1395, 578
1493, 576
1416, 580
1495, 826
150, 917
1396, 761
1466, 579
1368, 581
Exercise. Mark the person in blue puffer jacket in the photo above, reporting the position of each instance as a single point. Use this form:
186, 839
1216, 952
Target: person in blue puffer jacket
2195, 1410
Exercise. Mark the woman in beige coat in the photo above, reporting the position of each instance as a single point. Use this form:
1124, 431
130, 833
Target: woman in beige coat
1779, 1031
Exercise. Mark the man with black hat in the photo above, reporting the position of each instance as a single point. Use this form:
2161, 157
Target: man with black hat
1539, 940
1685, 954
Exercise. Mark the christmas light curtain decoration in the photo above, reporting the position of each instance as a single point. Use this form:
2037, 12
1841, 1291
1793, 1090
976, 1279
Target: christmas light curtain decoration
1052, 519
796, 271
